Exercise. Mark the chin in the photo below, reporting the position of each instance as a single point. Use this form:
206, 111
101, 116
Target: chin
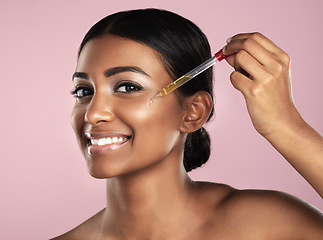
101, 168
101, 173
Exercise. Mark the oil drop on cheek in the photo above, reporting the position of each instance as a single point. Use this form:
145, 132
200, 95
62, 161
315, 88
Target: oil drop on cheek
151, 102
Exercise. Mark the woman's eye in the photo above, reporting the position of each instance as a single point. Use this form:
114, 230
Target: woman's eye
80, 92
128, 88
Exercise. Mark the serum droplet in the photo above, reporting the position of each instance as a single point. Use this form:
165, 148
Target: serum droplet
150, 102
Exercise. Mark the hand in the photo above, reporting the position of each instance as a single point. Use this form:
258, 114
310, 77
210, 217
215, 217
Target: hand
262, 75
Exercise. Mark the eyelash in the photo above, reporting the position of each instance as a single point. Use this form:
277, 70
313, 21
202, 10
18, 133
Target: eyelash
134, 88
75, 92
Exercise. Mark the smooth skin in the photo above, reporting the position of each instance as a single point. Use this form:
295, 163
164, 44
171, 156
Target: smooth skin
149, 194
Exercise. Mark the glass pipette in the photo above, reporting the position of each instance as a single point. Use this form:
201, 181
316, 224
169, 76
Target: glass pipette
191, 74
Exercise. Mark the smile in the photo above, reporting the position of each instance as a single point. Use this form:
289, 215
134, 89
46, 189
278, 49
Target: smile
102, 142
107, 141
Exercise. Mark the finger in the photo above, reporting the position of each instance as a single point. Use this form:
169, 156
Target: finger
230, 60
241, 82
255, 71
261, 54
260, 39
274, 63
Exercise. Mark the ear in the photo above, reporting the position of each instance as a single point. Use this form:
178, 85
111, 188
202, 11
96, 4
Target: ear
197, 110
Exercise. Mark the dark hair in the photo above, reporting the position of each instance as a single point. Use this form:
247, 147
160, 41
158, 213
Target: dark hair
181, 45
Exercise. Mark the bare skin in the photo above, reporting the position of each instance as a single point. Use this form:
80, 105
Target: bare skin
149, 194
217, 212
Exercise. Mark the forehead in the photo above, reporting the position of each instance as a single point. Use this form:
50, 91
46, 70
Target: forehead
112, 51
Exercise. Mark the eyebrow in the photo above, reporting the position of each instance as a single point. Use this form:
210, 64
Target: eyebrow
80, 75
112, 71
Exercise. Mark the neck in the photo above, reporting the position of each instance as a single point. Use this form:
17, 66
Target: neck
147, 200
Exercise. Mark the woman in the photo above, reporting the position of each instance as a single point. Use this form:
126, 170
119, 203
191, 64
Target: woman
145, 151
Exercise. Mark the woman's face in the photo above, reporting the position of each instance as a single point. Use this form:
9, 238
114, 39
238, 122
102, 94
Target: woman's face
117, 131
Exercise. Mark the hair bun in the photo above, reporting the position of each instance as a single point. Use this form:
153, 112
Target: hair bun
197, 149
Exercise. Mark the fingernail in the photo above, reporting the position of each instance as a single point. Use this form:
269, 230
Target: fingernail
229, 40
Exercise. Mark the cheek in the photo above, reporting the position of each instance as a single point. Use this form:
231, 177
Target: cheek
155, 126
165, 114
77, 120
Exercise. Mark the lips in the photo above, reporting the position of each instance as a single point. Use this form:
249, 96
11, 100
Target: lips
102, 142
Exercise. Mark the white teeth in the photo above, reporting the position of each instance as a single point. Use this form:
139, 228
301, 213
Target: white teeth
101, 142
106, 141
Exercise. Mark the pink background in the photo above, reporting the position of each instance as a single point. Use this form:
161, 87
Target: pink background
45, 187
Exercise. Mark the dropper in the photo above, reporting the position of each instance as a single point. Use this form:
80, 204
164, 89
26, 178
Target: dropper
191, 74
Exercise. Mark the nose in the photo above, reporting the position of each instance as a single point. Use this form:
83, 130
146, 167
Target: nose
98, 112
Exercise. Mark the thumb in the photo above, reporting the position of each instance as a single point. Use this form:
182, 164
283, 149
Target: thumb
230, 60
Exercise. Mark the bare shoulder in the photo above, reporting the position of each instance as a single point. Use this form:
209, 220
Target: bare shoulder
86, 230
270, 214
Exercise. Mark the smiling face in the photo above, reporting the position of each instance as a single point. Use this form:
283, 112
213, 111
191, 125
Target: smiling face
117, 131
